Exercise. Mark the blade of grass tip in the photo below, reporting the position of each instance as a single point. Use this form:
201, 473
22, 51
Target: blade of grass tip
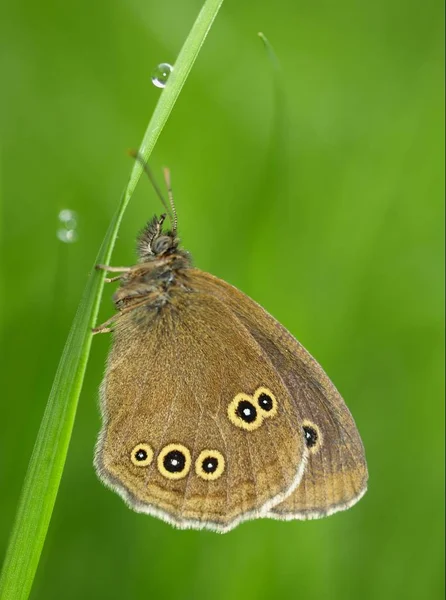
279, 140
274, 177
272, 55
48, 457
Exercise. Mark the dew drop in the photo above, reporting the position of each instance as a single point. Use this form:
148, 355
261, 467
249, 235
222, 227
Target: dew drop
68, 236
161, 74
67, 232
68, 218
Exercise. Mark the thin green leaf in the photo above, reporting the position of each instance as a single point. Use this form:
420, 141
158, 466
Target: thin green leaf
48, 458
279, 137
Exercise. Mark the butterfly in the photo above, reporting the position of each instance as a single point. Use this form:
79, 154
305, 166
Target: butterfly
212, 412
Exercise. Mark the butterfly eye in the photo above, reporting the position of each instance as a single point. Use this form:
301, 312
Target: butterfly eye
141, 455
243, 413
312, 435
210, 465
174, 461
266, 401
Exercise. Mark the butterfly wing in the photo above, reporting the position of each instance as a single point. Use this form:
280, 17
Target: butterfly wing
198, 429
336, 475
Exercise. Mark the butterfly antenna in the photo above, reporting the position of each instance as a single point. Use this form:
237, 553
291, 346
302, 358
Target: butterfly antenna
137, 156
172, 203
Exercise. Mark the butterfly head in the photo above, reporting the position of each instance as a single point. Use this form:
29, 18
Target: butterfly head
153, 242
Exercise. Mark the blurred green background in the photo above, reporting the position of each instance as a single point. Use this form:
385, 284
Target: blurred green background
327, 209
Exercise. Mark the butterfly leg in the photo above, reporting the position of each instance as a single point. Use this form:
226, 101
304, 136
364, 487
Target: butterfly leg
113, 269
121, 270
104, 327
101, 329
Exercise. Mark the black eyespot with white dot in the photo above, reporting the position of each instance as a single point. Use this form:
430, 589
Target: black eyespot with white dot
210, 465
265, 402
246, 411
312, 436
174, 461
141, 455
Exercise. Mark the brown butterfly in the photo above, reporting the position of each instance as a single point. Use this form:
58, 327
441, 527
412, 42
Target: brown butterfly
212, 412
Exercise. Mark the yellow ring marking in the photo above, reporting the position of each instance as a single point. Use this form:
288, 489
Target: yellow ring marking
267, 414
205, 454
236, 420
162, 455
318, 444
146, 461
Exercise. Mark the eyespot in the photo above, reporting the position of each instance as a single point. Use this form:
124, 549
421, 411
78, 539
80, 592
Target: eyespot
141, 455
266, 401
246, 411
243, 413
312, 435
174, 461
210, 465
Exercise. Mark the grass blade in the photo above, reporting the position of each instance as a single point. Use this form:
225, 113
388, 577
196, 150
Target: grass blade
48, 458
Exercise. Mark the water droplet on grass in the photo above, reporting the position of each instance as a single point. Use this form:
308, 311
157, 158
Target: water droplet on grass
161, 74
